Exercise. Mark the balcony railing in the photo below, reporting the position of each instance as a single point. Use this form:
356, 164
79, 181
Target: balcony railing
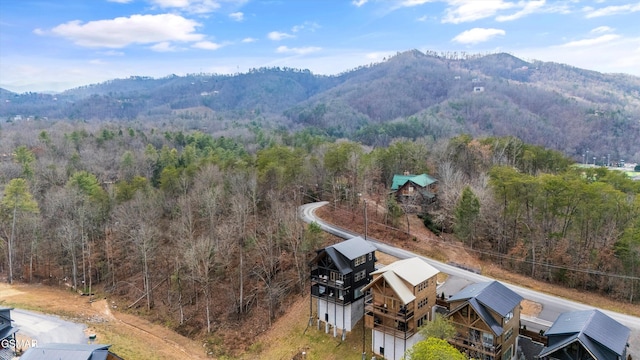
468, 344
324, 279
399, 330
329, 294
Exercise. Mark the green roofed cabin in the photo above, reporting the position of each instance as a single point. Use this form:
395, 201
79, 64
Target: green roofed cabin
414, 192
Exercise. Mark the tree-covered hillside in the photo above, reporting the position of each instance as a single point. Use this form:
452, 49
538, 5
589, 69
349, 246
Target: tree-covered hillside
200, 232
409, 95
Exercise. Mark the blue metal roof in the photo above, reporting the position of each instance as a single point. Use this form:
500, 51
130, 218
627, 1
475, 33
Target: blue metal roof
343, 253
57, 351
493, 295
354, 247
597, 332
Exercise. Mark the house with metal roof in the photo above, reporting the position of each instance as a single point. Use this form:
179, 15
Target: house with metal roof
402, 296
487, 319
57, 351
586, 335
415, 192
7, 331
338, 275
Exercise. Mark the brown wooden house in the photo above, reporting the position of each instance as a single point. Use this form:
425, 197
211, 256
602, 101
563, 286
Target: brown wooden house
401, 298
487, 320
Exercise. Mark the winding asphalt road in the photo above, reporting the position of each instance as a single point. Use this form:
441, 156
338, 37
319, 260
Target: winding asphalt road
552, 306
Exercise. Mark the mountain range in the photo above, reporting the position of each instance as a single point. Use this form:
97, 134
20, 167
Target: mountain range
409, 95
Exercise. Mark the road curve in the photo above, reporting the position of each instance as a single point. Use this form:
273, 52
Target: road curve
552, 306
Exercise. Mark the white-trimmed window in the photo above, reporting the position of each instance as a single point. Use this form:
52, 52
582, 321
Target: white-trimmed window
508, 353
508, 317
336, 276
360, 260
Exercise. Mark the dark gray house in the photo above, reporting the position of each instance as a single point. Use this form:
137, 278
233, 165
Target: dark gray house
7, 331
338, 274
586, 335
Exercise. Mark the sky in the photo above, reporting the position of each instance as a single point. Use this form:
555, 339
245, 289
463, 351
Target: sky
54, 45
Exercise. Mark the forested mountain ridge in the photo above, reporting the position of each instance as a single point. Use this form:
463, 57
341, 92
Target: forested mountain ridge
411, 95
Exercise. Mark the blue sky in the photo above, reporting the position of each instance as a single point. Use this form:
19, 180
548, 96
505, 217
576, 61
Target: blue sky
60, 44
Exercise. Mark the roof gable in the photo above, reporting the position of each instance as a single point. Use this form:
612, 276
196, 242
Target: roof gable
493, 295
412, 270
354, 247
343, 253
596, 331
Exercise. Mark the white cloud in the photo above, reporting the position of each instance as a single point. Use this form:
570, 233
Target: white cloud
477, 35
206, 45
277, 36
611, 10
307, 25
590, 42
297, 51
611, 56
97, 62
237, 16
192, 6
601, 30
164, 46
460, 11
423, 18
529, 8
124, 31
249, 40
409, 3
359, 3
120, 1
112, 53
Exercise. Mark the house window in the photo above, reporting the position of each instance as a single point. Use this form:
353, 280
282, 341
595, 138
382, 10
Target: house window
464, 311
423, 320
370, 256
360, 260
360, 275
508, 334
423, 285
423, 302
335, 276
508, 354
487, 339
410, 189
508, 317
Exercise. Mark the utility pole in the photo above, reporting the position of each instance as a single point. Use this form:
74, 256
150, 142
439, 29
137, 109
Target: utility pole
365, 219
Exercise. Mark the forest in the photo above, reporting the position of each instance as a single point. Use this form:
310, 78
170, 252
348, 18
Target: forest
410, 95
199, 231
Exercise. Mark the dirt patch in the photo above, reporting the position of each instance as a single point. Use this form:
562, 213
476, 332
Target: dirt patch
130, 336
530, 308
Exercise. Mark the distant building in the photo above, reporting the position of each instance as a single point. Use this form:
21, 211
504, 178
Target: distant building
338, 274
586, 335
477, 89
402, 296
415, 192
